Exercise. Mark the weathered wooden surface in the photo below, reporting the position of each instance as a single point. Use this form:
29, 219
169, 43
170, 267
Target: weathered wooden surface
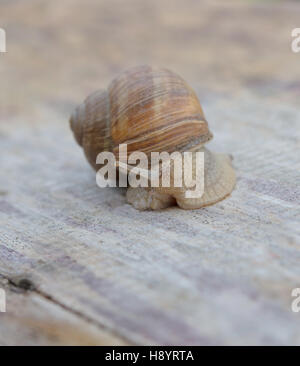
101, 272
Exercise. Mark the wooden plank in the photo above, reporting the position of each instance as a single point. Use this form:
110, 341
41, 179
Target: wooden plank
104, 273
35, 320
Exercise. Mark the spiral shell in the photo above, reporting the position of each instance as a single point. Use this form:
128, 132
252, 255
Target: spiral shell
147, 109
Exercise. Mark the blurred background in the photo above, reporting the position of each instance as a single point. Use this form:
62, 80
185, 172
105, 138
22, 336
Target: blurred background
60, 51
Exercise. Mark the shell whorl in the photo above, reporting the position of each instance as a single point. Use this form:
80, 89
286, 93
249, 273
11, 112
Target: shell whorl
90, 124
76, 123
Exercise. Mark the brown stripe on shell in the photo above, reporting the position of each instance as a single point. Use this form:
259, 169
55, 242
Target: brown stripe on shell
91, 126
145, 101
184, 137
192, 119
130, 89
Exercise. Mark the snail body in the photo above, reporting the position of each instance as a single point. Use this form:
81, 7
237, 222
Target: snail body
152, 110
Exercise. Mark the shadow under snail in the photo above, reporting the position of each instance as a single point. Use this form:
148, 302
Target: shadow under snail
152, 110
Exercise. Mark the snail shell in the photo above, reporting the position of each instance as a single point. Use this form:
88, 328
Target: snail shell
147, 109
150, 110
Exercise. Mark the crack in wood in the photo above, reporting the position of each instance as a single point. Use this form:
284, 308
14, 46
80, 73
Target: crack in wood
25, 284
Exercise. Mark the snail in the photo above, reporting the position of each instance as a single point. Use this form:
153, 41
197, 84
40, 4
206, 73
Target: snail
152, 110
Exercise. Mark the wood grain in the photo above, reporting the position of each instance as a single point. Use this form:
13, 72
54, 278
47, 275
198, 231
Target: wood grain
33, 318
102, 272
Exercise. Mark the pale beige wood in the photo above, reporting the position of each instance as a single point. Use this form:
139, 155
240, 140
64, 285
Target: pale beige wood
32, 319
219, 275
